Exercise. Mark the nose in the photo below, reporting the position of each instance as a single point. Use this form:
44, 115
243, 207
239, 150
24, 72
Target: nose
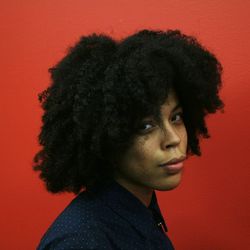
170, 137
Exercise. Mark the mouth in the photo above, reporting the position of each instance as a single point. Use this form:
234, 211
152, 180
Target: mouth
173, 161
174, 166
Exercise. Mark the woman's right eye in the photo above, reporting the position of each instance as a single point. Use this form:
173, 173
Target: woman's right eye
146, 126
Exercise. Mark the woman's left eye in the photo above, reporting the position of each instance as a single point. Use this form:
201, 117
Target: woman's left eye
179, 117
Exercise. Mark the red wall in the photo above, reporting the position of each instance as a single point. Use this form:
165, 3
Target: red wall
210, 209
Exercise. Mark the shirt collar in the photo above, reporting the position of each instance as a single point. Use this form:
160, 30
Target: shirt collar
146, 220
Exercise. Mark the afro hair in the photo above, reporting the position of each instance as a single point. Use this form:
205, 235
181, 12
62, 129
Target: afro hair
103, 88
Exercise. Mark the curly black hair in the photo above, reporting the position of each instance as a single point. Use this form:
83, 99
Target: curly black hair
101, 91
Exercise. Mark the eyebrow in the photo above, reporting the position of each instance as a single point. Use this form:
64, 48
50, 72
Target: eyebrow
178, 105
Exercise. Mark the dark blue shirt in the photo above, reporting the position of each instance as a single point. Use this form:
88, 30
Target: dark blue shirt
108, 217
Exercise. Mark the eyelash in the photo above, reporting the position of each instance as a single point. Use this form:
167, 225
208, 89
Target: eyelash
152, 122
180, 114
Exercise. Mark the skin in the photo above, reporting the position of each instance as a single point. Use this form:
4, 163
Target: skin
139, 170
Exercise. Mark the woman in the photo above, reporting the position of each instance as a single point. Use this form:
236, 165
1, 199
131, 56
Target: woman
120, 117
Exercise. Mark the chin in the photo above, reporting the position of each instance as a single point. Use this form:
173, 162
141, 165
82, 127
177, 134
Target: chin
167, 187
171, 183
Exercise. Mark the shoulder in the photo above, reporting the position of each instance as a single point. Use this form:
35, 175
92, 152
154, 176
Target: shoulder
89, 239
76, 227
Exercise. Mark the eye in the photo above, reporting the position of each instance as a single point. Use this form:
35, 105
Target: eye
146, 126
179, 117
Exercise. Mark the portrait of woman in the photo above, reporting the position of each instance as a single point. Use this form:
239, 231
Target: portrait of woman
120, 118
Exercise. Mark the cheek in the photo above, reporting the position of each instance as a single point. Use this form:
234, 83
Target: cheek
145, 149
184, 137
140, 154
146, 156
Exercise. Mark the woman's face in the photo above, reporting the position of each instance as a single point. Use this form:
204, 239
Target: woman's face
139, 168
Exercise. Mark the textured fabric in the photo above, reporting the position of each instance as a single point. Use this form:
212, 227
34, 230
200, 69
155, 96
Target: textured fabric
108, 218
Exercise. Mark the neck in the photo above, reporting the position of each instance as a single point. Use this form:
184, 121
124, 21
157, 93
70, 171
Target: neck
144, 194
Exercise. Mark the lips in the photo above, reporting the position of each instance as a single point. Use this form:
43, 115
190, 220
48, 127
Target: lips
173, 166
174, 161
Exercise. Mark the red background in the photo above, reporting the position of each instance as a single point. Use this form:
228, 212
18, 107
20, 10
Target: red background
210, 209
